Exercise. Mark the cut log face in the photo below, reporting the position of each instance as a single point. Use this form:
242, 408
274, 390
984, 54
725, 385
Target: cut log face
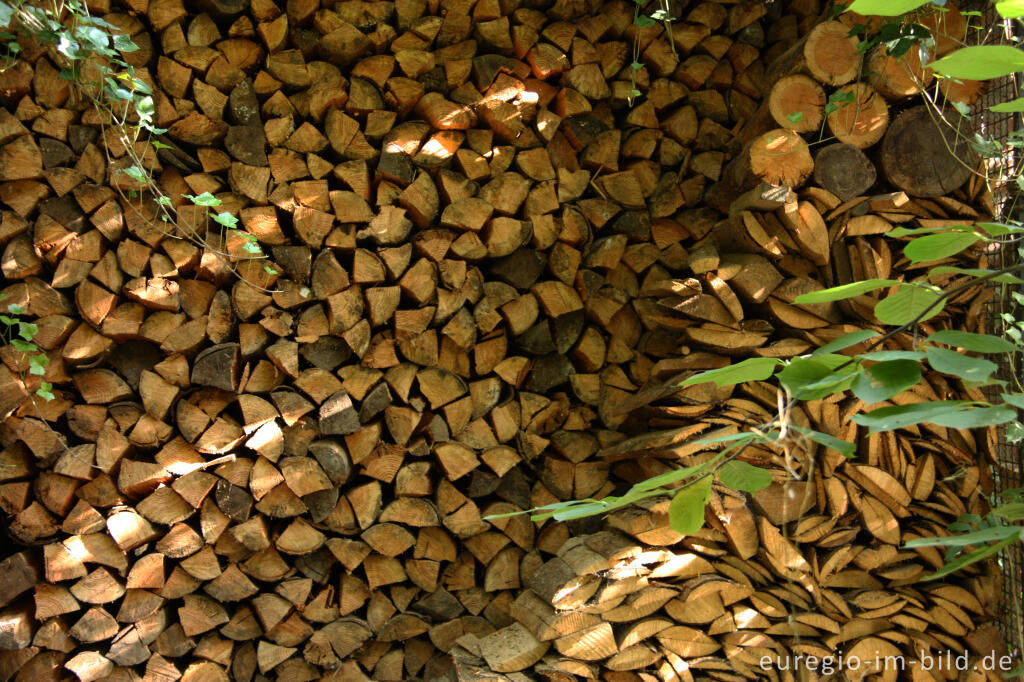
942, 160
494, 244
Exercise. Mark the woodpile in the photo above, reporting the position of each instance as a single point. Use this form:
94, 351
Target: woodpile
484, 269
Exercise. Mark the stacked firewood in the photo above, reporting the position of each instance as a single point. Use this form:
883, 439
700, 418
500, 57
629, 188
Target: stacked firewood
488, 257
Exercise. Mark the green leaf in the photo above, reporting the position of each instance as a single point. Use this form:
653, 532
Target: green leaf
962, 108
16, 309
579, 511
980, 62
751, 369
1004, 278
909, 301
1011, 511
636, 66
1015, 399
227, 220
795, 117
24, 346
977, 417
886, 355
37, 364
885, 8
1000, 229
979, 343
136, 173
939, 246
886, 379
27, 330
843, 447
670, 477
845, 341
45, 391
6, 14
269, 270
123, 43
686, 511
972, 558
964, 366
975, 537
1010, 9
1013, 106
843, 292
915, 231
815, 378
204, 199
643, 21
899, 416
744, 477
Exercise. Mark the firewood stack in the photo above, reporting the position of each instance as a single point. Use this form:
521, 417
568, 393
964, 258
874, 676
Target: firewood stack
484, 264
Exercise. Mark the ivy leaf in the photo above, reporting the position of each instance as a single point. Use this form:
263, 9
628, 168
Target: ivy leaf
16, 309
751, 369
744, 477
843, 292
977, 370
643, 21
885, 379
980, 62
910, 301
686, 511
795, 117
979, 343
885, 8
939, 246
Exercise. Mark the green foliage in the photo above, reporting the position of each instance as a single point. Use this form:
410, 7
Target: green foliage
20, 335
980, 62
886, 8
89, 52
877, 375
744, 477
686, 511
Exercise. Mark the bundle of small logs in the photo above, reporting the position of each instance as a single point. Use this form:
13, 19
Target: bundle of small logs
496, 231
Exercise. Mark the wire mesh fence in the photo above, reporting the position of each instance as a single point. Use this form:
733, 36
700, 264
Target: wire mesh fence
1003, 169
